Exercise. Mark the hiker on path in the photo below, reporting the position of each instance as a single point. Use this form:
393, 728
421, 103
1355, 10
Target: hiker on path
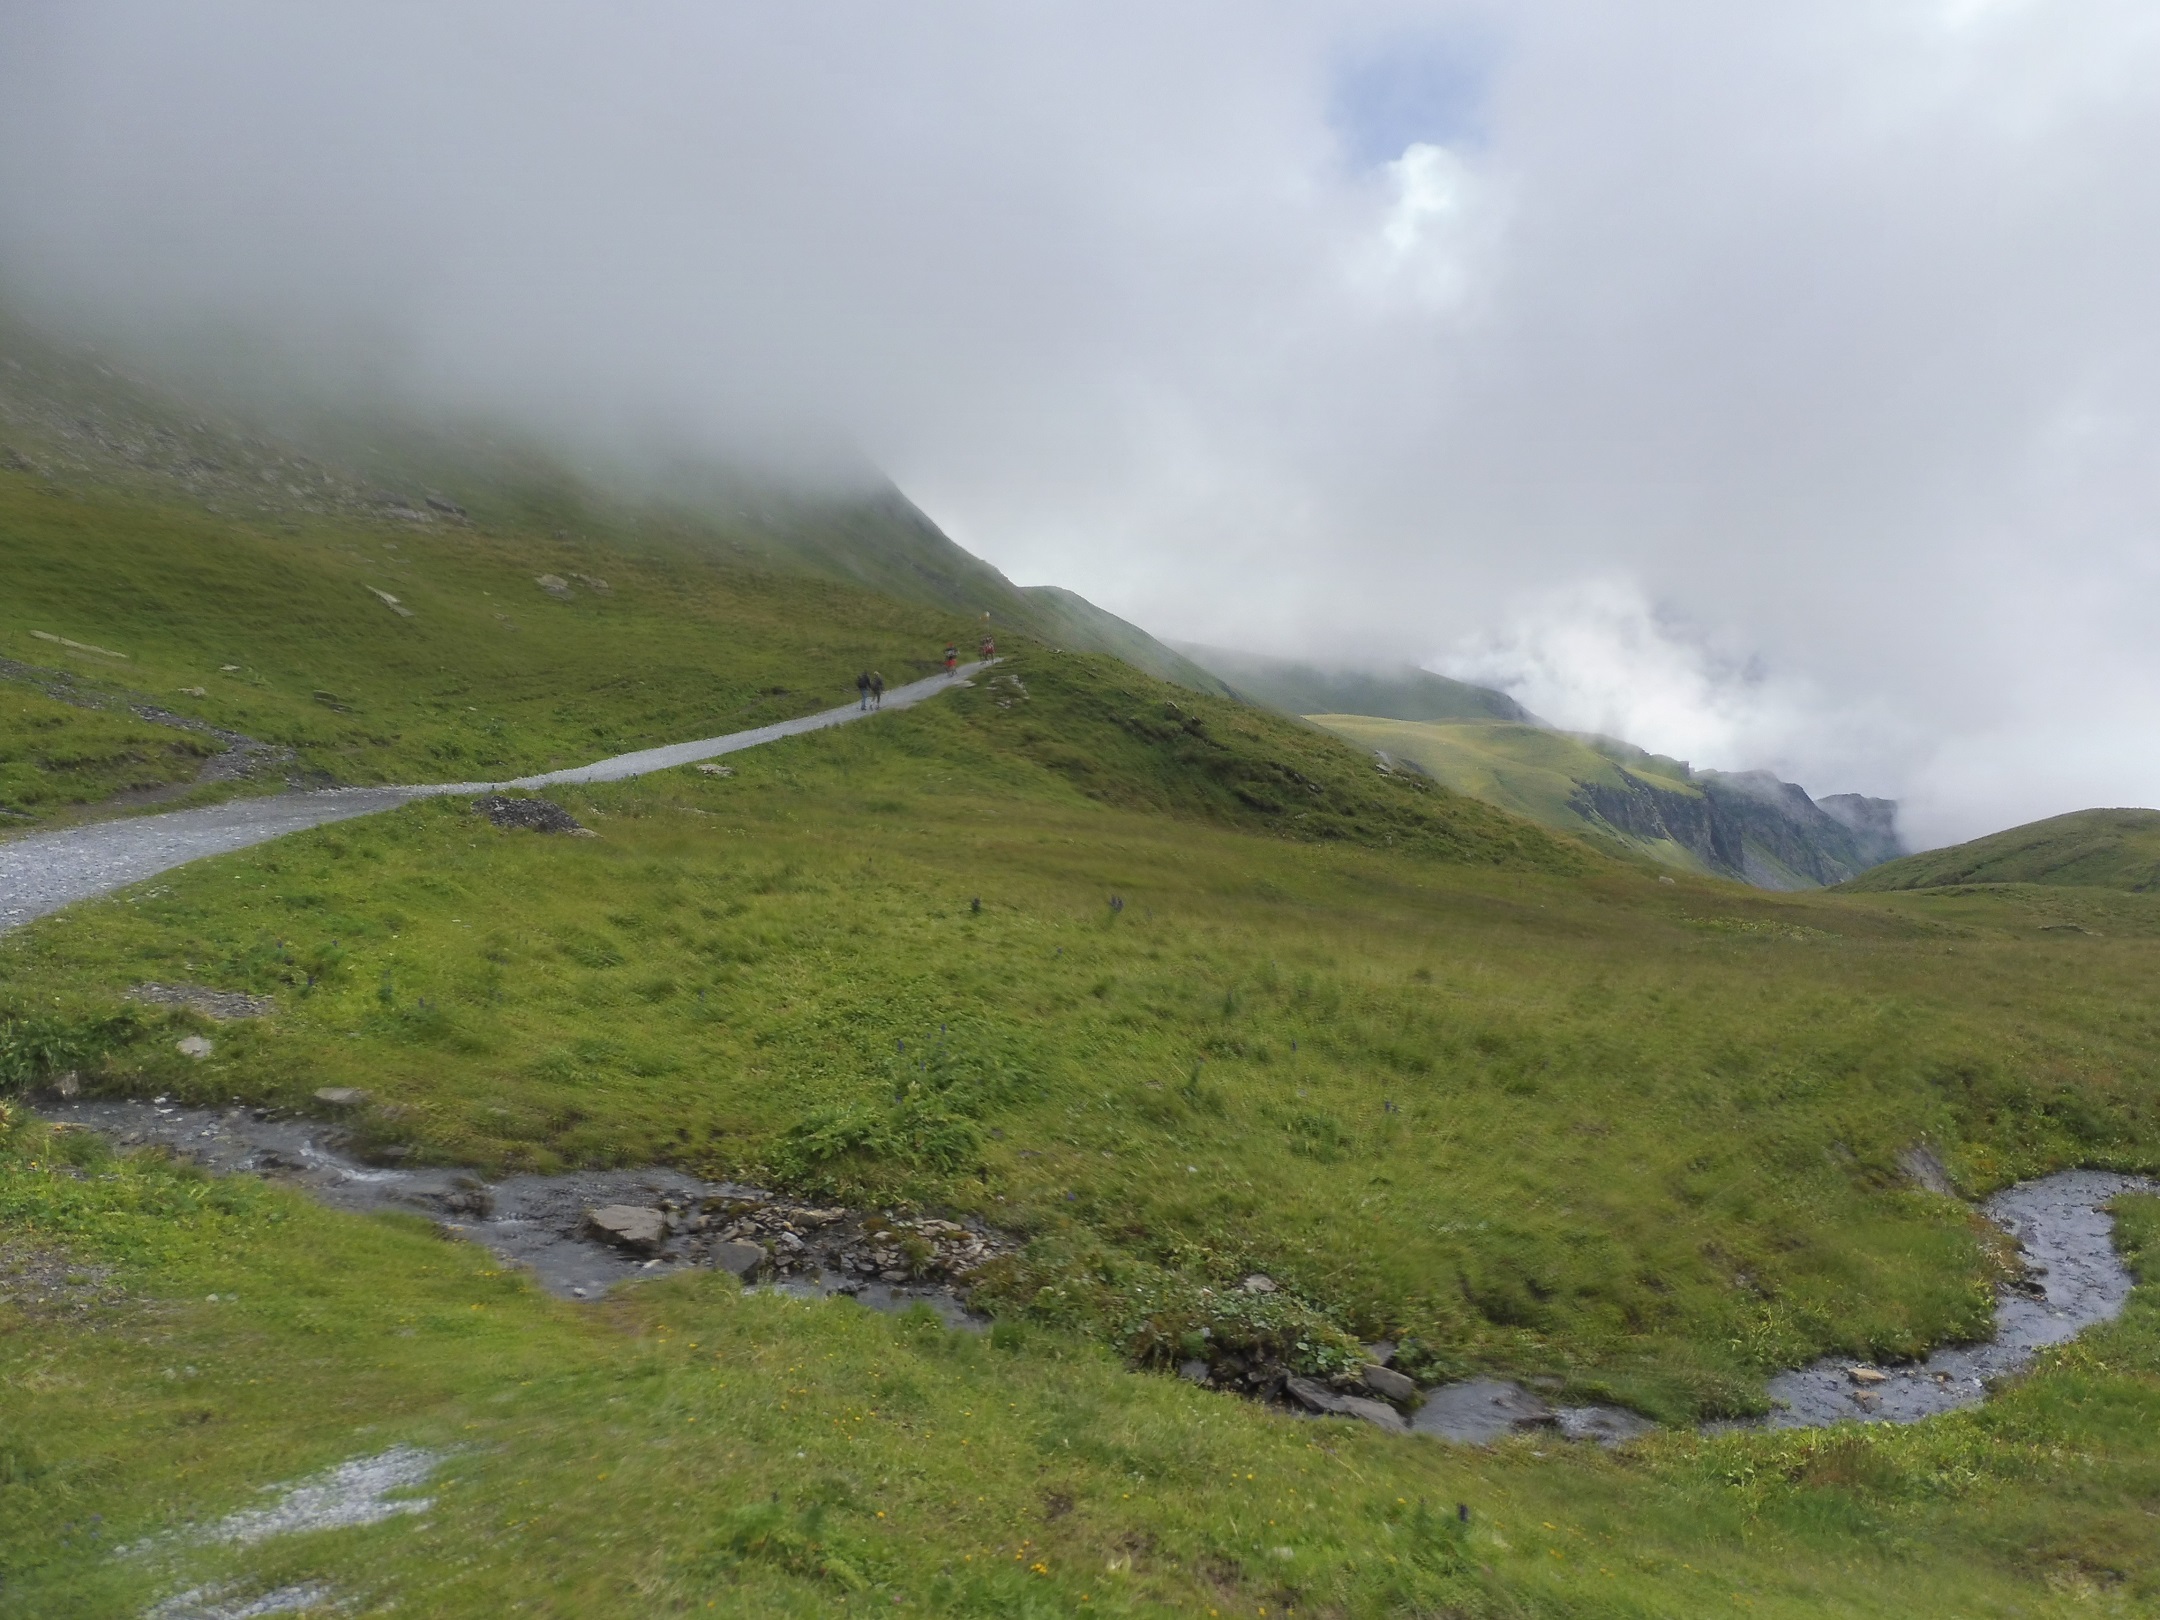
989, 649
862, 690
952, 659
877, 690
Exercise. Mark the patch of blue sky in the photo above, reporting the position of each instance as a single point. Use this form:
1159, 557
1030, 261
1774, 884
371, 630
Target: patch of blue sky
1429, 88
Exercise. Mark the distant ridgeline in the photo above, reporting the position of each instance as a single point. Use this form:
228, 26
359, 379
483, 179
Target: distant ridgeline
1745, 824
75, 418
2098, 849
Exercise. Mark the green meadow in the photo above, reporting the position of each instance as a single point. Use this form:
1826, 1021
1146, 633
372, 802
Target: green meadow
1525, 1108
689, 1449
1172, 988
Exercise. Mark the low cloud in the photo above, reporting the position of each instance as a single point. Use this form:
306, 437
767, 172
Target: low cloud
1339, 330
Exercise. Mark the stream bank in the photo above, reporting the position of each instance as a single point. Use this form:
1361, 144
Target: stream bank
582, 1232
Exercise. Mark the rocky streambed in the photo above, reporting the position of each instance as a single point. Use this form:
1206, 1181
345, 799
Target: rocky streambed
582, 1232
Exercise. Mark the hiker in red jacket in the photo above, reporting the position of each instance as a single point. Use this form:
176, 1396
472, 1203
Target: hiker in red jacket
952, 659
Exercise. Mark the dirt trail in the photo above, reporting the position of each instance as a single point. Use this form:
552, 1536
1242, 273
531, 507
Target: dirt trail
42, 872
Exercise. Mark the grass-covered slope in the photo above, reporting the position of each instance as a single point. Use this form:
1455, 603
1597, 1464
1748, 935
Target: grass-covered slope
1531, 770
1401, 694
71, 422
1446, 1076
176, 1352
2112, 849
476, 668
1066, 619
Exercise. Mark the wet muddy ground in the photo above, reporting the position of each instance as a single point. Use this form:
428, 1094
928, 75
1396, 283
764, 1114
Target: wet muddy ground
582, 1232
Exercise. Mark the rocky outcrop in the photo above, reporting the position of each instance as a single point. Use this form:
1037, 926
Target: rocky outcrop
1749, 825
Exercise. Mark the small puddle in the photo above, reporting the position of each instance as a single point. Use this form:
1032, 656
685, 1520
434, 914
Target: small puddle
540, 1223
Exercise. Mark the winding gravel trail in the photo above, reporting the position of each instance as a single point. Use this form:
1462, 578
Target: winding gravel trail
42, 872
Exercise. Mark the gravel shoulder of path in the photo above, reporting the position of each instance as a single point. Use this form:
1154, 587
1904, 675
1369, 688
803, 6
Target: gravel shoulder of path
42, 872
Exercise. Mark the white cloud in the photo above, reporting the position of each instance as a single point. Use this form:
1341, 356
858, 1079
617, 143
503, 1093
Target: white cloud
1829, 324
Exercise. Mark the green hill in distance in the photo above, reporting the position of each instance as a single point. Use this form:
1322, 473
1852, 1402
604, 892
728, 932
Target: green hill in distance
2106, 849
1404, 693
1746, 825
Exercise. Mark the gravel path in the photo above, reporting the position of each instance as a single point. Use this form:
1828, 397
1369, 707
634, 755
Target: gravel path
42, 872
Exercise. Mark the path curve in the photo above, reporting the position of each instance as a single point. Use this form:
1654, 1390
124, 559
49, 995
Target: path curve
42, 872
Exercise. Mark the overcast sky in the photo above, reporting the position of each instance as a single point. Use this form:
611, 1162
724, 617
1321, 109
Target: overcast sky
1772, 385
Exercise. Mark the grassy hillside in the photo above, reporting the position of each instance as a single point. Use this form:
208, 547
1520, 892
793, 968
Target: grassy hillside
1401, 694
1531, 770
1065, 619
1448, 1077
1172, 987
2114, 849
70, 421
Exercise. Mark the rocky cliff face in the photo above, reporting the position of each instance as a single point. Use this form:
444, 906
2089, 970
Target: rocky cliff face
1751, 826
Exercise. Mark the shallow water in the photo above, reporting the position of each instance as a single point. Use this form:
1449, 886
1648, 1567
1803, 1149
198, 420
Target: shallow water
536, 1222
2067, 1240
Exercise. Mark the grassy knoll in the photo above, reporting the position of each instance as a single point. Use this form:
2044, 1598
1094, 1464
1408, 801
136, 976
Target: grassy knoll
1445, 1076
2110, 849
183, 1344
55, 757
1528, 769
280, 630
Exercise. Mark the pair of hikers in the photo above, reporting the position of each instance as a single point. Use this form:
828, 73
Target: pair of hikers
870, 689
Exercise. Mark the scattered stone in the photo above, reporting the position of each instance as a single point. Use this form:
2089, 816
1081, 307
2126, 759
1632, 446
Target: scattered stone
529, 815
591, 584
194, 691
741, 1260
446, 506
1194, 1371
1317, 1397
628, 1226
222, 1005
1260, 1283
194, 1046
1867, 1375
392, 603
1928, 1172
341, 1096
555, 585
1389, 1384
68, 1084
717, 770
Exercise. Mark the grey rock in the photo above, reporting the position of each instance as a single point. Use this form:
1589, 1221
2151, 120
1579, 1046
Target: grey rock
1317, 1397
738, 1259
1260, 1283
68, 1084
1389, 1384
1194, 1371
194, 1046
628, 1226
341, 1096
1926, 1169
530, 815
555, 585
223, 1005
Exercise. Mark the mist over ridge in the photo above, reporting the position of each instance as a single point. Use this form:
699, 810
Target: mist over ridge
1774, 391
